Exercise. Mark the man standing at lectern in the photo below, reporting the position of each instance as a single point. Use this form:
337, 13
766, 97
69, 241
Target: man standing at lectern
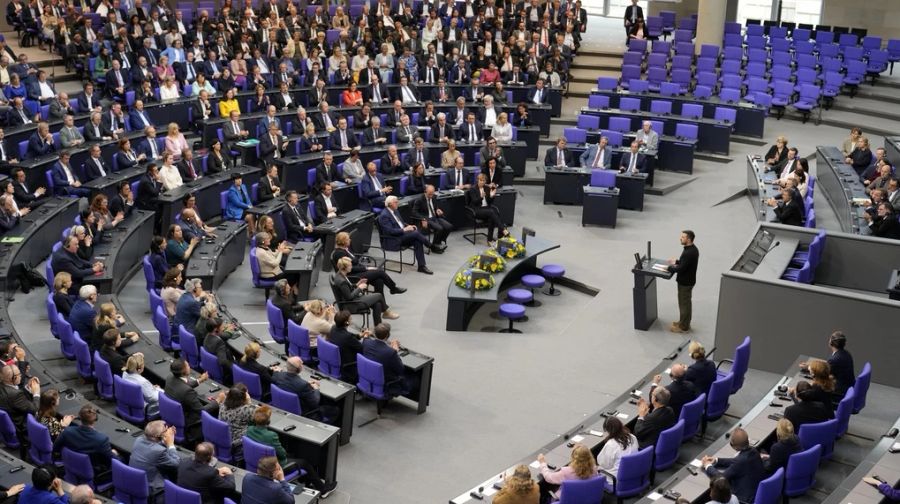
686, 268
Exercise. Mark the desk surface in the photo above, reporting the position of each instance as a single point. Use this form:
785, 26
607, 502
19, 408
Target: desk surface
534, 246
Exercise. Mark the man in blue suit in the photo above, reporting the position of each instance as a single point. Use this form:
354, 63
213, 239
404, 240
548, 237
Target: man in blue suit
470, 131
373, 187
66, 259
117, 82
385, 352
41, 142
83, 313
744, 471
538, 94
85, 439
268, 485
308, 392
597, 156
155, 450
390, 224
138, 117
633, 161
64, 179
149, 147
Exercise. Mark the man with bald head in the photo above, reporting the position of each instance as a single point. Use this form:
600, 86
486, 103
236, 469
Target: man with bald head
18, 401
83, 494
213, 484
744, 471
653, 417
681, 391
307, 391
155, 453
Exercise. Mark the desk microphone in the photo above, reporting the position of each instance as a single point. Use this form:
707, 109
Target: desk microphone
777, 243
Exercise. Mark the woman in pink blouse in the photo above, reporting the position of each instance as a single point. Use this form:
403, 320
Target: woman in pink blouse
582, 466
238, 67
175, 142
163, 69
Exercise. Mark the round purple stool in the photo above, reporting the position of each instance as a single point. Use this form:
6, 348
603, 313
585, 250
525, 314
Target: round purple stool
520, 296
512, 312
551, 272
533, 282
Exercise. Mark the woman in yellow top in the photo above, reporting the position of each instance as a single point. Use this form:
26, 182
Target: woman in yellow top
228, 103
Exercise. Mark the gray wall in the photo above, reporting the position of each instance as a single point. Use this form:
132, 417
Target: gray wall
878, 16
858, 262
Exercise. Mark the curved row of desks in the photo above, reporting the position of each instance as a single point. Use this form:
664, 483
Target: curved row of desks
841, 186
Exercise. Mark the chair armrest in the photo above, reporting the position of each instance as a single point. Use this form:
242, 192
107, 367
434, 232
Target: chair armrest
723, 361
611, 475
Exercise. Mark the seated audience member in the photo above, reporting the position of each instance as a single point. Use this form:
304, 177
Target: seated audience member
884, 223
647, 137
109, 318
250, 362
841, 363
518, 488
187, 310
48, 416
355, 292
861, 156
155, 453
84, 313
133, 372
178, 250
83, 494
376, 276
198, 474
702, 373
215, 344
66, 259
787, 211
64, 301
373, 187
268, 485
651, 423
744, 471
383, 350
171, 293
777, 153
349, 343
237, 411
806, 410
432, 218
390, 223
822, 385
85, 439
289, 379
720, 492
850, 142
580, 467
18, 400
559, 155
620, 442
680, 390
270, 260
633, 161
786, 444
45, 488
111, 351
598, 155
180, 388
318, 320
261, 433
480, 198
285, 300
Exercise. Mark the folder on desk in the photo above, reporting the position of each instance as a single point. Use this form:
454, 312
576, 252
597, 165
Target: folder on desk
12, 239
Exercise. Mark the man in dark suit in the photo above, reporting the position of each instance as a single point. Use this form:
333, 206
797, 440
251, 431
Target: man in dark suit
375, 135
342, 138
633, 161
744, 471
202, 110
196, 474
458, 177
272, 145
432, 218
18, 401
23, 195
441, 131
123, 201
148, 190
233, 131
390, 162
327, 170
66, 259
841, 363
470, 131
632, 13
186, 167
180, 388
88, 100
85, 439
308, 392
269, 184
117, 82
787, 211
138, 118
268, 485
82, 315
325, 120
650, 424
114, 119
214, 344
390, 224
806, 410
538, 94
373, 187
297, 223
324, 204
95, 130
95, 166
64, 179
558, 155
680, 390
383, 351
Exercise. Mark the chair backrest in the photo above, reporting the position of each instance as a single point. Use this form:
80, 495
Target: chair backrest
598, 102
82, 358
161, 323
130, 483
769, 489
587, 121
79, 470
630, 104
728, 115
638, 86
862, 387
66, 336
587, 491
607, 83
276, 322
248, 378
821, 433
687, 131
801, 471
41, 449
171, 411
104, 376
8, 431
329, 357
298, 341
692, 415
189, 347
575, 135
692, 110
288, 401
667, 89
129, 400
371, 378
175, 494
717, 400
155, 300
661, 107
666, 450
210, 364
149, 277
740, 364
634, 473
218, 433
844, 410
254, 451
620, 124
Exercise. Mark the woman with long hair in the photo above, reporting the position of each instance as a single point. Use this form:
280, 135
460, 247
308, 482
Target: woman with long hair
48, 416
620, 442
518, 488
237, 412
581, 466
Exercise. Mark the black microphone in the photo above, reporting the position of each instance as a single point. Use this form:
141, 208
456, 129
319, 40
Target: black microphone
777, 243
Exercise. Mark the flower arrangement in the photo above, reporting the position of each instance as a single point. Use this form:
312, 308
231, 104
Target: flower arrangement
489, 261
510, 248
463, 279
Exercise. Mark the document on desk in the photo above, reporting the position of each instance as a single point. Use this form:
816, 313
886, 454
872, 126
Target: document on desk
535, 465
654, 496
660, 267
696, 463
577, 439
